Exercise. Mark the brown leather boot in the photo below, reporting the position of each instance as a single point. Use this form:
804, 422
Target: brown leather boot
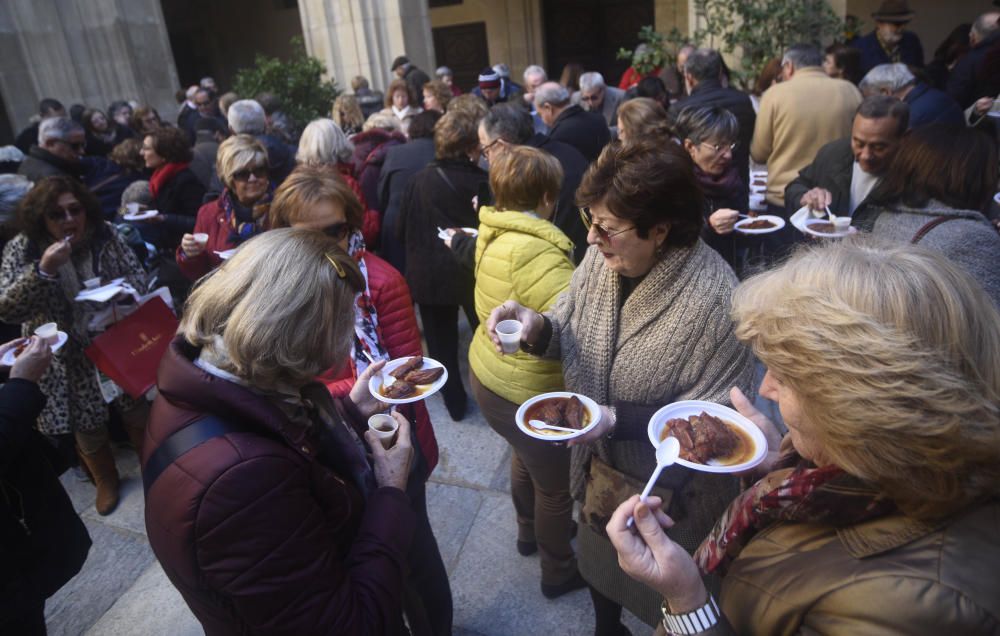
134, 423
102, 466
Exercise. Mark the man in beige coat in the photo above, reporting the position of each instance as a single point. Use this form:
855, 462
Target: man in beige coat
799, 116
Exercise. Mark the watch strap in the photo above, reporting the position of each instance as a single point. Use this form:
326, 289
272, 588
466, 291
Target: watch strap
695, 622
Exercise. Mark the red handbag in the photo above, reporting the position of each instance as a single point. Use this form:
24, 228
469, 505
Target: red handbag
129, 351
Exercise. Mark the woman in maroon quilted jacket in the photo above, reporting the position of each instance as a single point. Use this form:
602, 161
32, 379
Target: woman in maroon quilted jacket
273, 519
385, 328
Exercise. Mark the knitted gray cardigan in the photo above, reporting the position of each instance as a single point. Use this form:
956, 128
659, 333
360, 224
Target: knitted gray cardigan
672, 340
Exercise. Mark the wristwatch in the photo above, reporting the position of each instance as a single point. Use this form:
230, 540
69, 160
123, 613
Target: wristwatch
695, 622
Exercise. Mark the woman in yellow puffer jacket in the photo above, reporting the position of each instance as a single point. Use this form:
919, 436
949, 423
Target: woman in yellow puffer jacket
521, 256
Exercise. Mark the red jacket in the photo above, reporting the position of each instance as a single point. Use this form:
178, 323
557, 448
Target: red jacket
255, 532
371, 227
399, 334
212, 221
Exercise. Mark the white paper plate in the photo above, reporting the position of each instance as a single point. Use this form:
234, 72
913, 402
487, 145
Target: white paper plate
9, 358
996, 197
227, 254
101, 294
140, 216
777, 220
688, 408
471, 231
426, 390
557, 436
807, 228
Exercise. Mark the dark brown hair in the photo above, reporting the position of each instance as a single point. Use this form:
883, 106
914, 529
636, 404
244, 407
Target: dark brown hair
955, 165
128, 155
456, 135
171, 143
42, 198
647, 183
848, 60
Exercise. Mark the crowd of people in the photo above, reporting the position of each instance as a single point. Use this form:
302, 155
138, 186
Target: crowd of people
605, 219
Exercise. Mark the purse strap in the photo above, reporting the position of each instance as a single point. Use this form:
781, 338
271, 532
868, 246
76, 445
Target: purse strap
928, 226
180, 442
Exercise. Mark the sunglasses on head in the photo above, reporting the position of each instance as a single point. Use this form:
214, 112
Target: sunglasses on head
260, 172
602, 232
59, 214
337, 231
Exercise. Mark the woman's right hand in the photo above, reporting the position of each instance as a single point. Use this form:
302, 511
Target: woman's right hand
723, 220
392, 465
531, 321
55, 256
191, 247
745, 407
33, 361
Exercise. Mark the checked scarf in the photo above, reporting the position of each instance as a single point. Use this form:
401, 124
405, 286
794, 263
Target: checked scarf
366, 338
795, 490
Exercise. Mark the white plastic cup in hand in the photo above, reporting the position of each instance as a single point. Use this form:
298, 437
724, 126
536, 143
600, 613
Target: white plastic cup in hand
384, 426
509, 332
201, 239
49, 332
841, 223
133, 208
92, 283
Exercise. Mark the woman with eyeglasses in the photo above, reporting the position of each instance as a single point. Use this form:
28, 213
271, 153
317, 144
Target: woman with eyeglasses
708, 134
385, 328
240, 212
645, 322
289, 516
65, 241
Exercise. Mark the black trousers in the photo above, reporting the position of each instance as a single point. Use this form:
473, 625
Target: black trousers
29, 620
440, 324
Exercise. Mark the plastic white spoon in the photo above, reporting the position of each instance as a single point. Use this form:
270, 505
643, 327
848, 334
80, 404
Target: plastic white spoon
666, 454
539, 424
387, 379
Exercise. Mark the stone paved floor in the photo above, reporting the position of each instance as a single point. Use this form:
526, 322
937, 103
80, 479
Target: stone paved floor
122, 590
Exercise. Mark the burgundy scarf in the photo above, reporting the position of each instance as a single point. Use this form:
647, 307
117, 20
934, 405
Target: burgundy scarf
163, 174
795, 490
727, 185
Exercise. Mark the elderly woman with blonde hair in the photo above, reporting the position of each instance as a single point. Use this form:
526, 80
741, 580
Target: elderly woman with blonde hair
642, 118
385, 328
324, 144
878, 512
347, 113
262, 504
238, 214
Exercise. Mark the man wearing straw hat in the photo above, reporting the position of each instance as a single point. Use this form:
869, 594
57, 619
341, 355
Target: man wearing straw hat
890, 43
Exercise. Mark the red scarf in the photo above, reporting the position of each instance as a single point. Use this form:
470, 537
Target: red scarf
794, 491
163, 174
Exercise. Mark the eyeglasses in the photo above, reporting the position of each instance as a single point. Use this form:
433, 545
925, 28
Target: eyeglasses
260, 173
591, 98
59, 213
337, 231
719, 148
485, 149
79, 146
602, 232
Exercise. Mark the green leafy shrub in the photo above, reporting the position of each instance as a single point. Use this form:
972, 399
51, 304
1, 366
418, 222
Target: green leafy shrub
297, 82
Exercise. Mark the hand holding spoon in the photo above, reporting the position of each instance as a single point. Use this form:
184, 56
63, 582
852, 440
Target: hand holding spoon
666, 454
387, 379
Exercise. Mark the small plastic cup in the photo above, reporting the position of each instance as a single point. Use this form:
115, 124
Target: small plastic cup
92, 283
841, 223
133, 208
509, 332
49, 332
201, 238
385, 427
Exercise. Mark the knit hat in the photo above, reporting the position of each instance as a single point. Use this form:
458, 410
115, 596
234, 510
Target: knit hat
488, 78
399, 61
895, 11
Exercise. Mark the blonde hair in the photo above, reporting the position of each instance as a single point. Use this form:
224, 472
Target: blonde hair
347, 113
279, 312
308, 185
643, 118
893, 353
522, 176
323, 143
470, 104
239, 152
440, 91
385, 121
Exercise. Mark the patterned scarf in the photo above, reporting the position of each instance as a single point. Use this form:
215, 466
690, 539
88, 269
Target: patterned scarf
240, 227
163, 174
794, 491
366, 339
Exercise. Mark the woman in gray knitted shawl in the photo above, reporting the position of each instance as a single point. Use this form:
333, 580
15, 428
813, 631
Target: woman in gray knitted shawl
645, 323
935, 193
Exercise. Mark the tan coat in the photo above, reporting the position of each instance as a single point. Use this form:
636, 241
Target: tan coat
796, 119
891, 575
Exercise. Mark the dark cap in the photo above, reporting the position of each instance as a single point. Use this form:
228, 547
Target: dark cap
399, 61
895, 11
